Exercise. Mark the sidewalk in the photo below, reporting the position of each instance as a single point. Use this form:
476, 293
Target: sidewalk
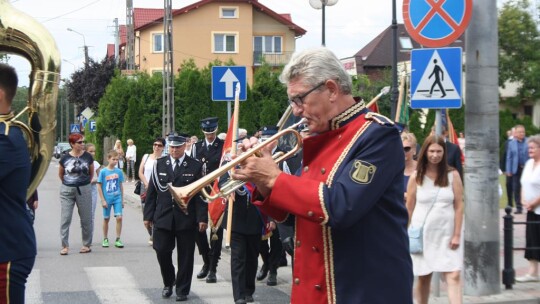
522, 293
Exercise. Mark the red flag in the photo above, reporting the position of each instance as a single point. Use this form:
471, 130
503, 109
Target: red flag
216, 208
452, 135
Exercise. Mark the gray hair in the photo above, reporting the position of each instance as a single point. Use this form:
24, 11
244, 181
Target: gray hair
535, 139
315, 66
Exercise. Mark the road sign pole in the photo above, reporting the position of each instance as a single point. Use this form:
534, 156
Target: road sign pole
228, 112
438, 122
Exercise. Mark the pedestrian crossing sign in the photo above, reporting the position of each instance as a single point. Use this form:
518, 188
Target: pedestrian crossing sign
75, 128
436, 78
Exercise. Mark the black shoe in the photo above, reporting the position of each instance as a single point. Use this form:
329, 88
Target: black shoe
181, 298
272, 279
249, 299
203, 273
211, 278
167, 292
263, 272
519, 211
240, 301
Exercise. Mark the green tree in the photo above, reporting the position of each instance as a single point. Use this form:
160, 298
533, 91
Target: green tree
269, 98
519, 59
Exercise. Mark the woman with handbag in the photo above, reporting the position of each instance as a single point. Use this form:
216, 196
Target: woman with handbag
435, 205
145, 171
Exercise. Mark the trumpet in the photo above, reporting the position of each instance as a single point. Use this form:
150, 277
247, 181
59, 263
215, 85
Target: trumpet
182, 195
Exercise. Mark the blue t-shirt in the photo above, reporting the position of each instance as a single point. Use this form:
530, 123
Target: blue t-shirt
110, 181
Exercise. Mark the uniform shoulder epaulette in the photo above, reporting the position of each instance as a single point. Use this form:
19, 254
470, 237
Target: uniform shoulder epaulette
380, 119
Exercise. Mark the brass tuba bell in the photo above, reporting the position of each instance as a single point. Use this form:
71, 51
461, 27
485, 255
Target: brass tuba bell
20, 34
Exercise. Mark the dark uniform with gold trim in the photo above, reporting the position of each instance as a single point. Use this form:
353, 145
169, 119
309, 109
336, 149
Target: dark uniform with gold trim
170, 223
351, 241
210, 156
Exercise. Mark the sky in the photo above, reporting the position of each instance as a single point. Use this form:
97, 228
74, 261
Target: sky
350, 25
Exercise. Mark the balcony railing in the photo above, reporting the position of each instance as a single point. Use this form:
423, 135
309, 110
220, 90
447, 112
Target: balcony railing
273, 59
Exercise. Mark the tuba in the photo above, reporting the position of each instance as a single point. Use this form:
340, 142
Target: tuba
22, 35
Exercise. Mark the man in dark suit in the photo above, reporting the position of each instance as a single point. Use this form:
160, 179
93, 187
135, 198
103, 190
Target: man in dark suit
208, 152
170, 222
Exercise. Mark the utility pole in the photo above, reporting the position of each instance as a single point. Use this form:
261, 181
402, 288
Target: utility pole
116, 42
130, 32
395, 90
481, 264
168, 75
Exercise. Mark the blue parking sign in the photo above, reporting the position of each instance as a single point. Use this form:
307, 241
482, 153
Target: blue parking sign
224, 79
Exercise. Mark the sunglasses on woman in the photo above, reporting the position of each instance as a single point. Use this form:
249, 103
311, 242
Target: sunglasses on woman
407, 149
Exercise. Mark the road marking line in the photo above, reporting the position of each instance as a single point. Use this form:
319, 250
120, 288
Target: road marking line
115, 285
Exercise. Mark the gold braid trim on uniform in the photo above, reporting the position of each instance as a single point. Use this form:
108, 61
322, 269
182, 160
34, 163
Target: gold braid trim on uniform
323, 206
7, 119
281, 222
329, 264
346, 115
345, 152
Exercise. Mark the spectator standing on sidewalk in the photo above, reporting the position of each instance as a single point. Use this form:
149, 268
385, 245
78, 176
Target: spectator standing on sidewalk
91, 148
118, 148
145, 172
435, 202
508, 179
530, 182
111, 192
131, 158
516, 157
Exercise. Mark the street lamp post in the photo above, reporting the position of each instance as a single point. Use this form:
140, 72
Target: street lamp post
322, 4
85, 46
395, 91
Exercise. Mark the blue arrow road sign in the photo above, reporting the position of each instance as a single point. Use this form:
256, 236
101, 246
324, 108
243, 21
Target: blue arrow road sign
75, 128
436, 78
224, 79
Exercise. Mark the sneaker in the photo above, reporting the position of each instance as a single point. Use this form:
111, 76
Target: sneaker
118, 244
527, 278
105, 243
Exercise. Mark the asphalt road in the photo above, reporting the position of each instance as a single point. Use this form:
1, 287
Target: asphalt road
113, 275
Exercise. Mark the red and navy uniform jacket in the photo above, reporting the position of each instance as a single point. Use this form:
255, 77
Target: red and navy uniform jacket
351, 243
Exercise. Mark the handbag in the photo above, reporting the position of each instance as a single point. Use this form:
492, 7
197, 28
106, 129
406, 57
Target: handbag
138, 184
416, 234
137, 188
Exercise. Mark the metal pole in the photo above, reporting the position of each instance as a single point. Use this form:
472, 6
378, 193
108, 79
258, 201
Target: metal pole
395, 91
508, 274
323, 25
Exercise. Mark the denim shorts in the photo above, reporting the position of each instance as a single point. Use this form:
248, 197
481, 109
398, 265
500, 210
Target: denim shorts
116, 203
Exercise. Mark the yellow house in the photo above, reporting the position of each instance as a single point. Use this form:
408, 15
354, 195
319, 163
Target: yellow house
242, 30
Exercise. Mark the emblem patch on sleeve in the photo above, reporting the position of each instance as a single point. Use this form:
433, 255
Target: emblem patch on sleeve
362, 172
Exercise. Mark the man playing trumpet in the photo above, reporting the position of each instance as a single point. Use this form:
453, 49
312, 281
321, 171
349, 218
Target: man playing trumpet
351, 238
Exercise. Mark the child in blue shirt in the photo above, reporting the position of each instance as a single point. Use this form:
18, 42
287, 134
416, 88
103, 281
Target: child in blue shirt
111, 192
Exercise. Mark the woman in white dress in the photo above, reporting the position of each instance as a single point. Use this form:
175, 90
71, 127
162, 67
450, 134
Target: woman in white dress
530, 197
435, 199
145, 171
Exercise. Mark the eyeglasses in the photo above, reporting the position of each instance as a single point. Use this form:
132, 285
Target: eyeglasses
298, 100
80, 142
158, 145
407, 149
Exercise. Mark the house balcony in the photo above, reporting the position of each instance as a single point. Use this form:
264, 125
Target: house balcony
272, 59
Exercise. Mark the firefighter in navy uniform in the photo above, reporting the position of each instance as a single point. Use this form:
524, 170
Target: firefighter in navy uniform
170, 223
208, 152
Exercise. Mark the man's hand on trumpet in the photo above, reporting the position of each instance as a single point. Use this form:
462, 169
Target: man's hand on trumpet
261, 170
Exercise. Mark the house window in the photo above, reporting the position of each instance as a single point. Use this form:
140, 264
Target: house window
224, 43
157, 43
228, 12
406, 43
267, 44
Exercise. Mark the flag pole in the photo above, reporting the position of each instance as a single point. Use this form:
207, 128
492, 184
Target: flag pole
233, 152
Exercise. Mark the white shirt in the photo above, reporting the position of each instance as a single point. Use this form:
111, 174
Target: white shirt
131, 153
530, 183
180, 161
